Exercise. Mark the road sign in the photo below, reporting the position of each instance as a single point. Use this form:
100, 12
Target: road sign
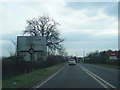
113, 55
32, 48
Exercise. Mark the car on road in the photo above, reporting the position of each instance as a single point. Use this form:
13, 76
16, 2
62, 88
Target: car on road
72, 62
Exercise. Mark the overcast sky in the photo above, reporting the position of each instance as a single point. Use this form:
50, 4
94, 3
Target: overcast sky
86, 26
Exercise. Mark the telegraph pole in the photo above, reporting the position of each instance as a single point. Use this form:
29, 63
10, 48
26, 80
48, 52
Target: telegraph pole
83, 56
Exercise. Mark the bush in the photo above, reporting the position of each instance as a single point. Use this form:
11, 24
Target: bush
8, 68
13, 66
52, 60
112, 62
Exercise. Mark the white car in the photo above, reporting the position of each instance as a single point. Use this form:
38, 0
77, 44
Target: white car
72, 62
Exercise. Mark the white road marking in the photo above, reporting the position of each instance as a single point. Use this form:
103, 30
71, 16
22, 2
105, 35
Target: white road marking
104, 83
95, 78
49, 78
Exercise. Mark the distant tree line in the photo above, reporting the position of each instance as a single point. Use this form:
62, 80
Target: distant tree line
102, 57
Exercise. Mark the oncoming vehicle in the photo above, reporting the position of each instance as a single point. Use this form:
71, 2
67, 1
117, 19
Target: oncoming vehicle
72, 62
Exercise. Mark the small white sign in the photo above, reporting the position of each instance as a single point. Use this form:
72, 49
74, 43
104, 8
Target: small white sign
113, 58
113, 55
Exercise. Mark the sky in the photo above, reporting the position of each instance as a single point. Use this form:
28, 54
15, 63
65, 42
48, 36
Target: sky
85, 26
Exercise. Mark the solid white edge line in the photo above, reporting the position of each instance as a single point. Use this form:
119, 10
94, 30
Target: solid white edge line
94, 76
49, 78
97, 80
102, 80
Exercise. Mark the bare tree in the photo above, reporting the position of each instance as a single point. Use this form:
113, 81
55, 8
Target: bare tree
62, 51
10, 51
13, 53
45, 26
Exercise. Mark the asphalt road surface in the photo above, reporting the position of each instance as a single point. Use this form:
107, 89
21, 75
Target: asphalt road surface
82, 76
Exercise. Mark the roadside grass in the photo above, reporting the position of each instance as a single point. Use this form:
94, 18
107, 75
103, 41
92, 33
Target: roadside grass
109, 65
25, 80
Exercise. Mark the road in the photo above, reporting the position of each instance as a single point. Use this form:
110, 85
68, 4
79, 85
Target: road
82, 76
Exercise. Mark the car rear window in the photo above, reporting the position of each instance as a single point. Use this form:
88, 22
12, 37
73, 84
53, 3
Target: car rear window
72, 60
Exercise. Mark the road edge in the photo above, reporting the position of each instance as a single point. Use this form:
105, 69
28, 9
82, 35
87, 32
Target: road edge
40, 83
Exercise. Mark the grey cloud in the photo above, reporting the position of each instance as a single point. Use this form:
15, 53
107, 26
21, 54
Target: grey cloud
109, 7
77, 36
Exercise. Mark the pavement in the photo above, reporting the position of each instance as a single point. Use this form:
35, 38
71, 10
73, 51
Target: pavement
82, 76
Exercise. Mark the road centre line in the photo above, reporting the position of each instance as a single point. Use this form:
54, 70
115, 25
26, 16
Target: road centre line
104, 83
49, 78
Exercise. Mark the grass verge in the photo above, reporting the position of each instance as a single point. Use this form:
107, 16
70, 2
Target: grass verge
108, 65
26, 80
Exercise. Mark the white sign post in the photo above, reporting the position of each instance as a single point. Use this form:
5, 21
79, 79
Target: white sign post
32, 48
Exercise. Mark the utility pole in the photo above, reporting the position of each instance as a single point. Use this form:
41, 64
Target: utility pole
83, 56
